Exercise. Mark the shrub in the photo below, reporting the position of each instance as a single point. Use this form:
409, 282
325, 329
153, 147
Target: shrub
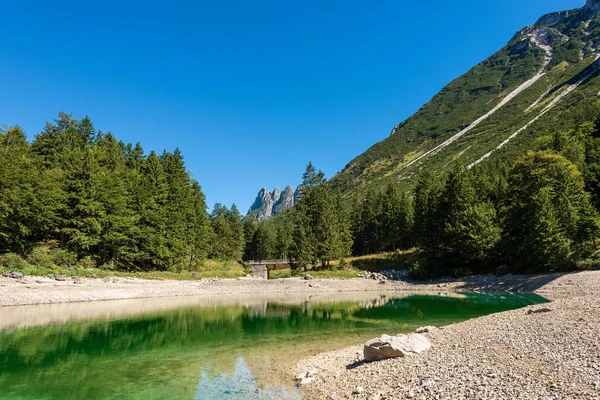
63, 258
40, 257
425, 269
589, 264
15, 262
86, 263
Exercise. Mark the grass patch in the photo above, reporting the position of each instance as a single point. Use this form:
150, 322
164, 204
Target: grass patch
210, 269
399, 260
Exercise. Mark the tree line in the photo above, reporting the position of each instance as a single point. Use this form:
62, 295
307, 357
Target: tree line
536, 215
80, 195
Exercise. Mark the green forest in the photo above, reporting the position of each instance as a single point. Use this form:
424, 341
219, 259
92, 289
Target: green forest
76, 196
537, 212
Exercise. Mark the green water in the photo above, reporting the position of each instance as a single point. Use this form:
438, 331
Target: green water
227, 351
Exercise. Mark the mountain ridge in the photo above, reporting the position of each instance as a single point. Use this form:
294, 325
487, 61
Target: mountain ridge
486, 112
268, 204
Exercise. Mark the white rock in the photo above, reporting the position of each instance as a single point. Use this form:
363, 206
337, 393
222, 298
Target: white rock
395, 346
306, 381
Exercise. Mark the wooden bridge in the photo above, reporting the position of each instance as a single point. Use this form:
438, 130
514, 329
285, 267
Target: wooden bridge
263, 268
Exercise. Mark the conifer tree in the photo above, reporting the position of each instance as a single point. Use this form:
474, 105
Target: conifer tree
545, 210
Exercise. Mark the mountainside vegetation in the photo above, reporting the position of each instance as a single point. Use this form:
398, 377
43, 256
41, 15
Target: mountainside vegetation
545, 74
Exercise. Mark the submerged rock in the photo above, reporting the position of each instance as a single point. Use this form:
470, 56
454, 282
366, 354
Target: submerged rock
395, 346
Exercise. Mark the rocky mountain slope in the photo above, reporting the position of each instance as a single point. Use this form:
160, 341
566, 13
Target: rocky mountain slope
497, 109
269, 204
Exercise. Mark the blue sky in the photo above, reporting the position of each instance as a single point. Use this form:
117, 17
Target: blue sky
250, 91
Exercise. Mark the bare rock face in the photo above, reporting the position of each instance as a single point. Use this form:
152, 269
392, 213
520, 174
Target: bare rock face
288, 198
593, 5
269, 204
387, 346
276, 195
553, 18
262, 207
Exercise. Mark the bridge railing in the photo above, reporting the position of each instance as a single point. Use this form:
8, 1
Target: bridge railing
264, 262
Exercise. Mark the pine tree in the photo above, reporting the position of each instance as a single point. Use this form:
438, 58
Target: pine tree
429, 224
249, 231
236, 243
545, 209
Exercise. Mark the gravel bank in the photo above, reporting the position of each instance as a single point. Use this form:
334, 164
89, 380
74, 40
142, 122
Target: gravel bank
510, 355
43, 290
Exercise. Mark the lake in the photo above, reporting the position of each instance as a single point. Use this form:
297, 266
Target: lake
219, 347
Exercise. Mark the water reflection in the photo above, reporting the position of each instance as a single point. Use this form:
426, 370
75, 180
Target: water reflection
158, 354
241, 385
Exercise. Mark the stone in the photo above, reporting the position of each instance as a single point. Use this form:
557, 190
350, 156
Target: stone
51, 276
358, 390
306, 381
307, 374
308, 277
387, 346
425, 329
539, 310
14, 275
61, 277
106, 279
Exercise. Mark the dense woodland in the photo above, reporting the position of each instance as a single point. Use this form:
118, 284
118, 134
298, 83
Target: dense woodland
537, 214
77, 196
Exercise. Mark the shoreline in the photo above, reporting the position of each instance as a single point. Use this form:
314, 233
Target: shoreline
510, 355
32, 290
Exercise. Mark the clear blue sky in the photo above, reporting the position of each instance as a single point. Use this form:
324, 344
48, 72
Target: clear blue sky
250, 91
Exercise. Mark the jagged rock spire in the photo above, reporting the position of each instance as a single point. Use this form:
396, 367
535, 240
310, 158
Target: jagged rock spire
268, 204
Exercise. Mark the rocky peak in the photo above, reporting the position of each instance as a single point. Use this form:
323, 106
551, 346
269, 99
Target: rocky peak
269, 204
287, 199
276, 195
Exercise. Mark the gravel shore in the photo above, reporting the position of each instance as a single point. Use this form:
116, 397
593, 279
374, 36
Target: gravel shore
43, 290
510, 355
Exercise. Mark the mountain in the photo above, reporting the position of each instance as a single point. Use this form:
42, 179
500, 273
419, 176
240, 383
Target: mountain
497, 110
269, 204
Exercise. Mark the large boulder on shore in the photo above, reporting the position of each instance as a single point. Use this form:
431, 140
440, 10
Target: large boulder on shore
395, 346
